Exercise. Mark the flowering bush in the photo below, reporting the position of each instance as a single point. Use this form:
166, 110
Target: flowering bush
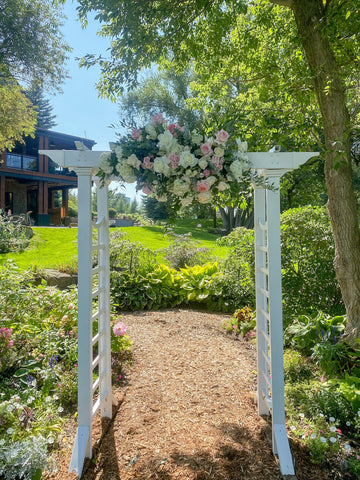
176, 164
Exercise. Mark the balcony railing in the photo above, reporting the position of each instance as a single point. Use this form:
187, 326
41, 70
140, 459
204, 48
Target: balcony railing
21, 162
28, 163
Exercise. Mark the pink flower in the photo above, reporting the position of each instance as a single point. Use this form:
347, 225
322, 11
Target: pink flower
158, 118
222, 136
322, 379
136, 133
217, 162
202, 186
147, 164
205, 148
146, 190
71, 306
174, 160
339, 431
206, 173
173, 127
10, 344
119, 329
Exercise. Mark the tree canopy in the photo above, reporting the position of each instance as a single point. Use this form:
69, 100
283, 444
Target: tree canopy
290, 63
32, 52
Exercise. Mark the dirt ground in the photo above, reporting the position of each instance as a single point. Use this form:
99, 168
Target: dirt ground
186, 409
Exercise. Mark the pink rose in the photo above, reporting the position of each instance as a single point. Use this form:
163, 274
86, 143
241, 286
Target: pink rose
217, 162
10, 344
147, 164
174, 160
205, 148
136, 133
202, 186
146, 190
173, 127
119, 329
206, 173
158, 118
222, 136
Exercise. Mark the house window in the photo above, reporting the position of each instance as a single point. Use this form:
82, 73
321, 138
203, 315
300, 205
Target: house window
9, 201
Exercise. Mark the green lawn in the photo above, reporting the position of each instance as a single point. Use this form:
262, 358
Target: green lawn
54, 247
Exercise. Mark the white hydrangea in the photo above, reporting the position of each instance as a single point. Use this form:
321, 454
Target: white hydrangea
187, 159
237, 169
118, 152
104, 163
133, 161
242, 146
126, 172
150, 129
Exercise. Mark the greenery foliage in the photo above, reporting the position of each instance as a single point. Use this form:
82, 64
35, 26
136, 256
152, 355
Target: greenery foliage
38, 369
184, 251
13, 235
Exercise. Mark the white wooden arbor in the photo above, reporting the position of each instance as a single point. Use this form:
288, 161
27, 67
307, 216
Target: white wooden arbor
94, 348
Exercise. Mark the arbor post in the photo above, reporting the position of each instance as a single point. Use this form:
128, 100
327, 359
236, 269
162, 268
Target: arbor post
270, 394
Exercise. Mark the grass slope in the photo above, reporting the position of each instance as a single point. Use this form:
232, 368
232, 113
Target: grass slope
57, 247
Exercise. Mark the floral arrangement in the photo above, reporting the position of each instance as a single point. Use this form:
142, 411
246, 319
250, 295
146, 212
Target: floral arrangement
170, 161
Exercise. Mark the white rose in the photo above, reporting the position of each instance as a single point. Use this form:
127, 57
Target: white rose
126, 172
196, 137
229, 178
237, 169
203, 163
187, 159
104, 163
219, 152
242, 146
210, 140
211, 180
161, 165
133, 161
186, 201
150, 129
204, 197
223, 186
166, 141
180, 187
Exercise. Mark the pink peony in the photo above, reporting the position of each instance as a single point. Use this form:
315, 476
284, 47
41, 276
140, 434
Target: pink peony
119, 329
205, 148
136, 133
202, 186
174, 160
222, 136
147, 164
158, 118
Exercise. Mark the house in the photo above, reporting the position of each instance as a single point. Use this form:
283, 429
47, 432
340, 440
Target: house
32, 184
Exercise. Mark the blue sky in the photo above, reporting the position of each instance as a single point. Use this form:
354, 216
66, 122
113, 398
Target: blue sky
79, 110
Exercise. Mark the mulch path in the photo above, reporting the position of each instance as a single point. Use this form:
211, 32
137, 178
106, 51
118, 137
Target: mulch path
186, 409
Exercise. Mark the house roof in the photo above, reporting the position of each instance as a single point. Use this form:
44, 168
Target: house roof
64, 138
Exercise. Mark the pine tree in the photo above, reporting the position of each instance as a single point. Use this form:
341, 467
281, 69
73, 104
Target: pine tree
45, 117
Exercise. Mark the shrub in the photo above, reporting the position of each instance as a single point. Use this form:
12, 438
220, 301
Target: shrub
184, 251
13, 235
309, 281
307, 331
235, 286
241, 323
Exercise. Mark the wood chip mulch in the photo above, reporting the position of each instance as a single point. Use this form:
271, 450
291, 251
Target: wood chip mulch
186, 409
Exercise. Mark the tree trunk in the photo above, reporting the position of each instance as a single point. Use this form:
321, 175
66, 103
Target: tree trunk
309, 16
